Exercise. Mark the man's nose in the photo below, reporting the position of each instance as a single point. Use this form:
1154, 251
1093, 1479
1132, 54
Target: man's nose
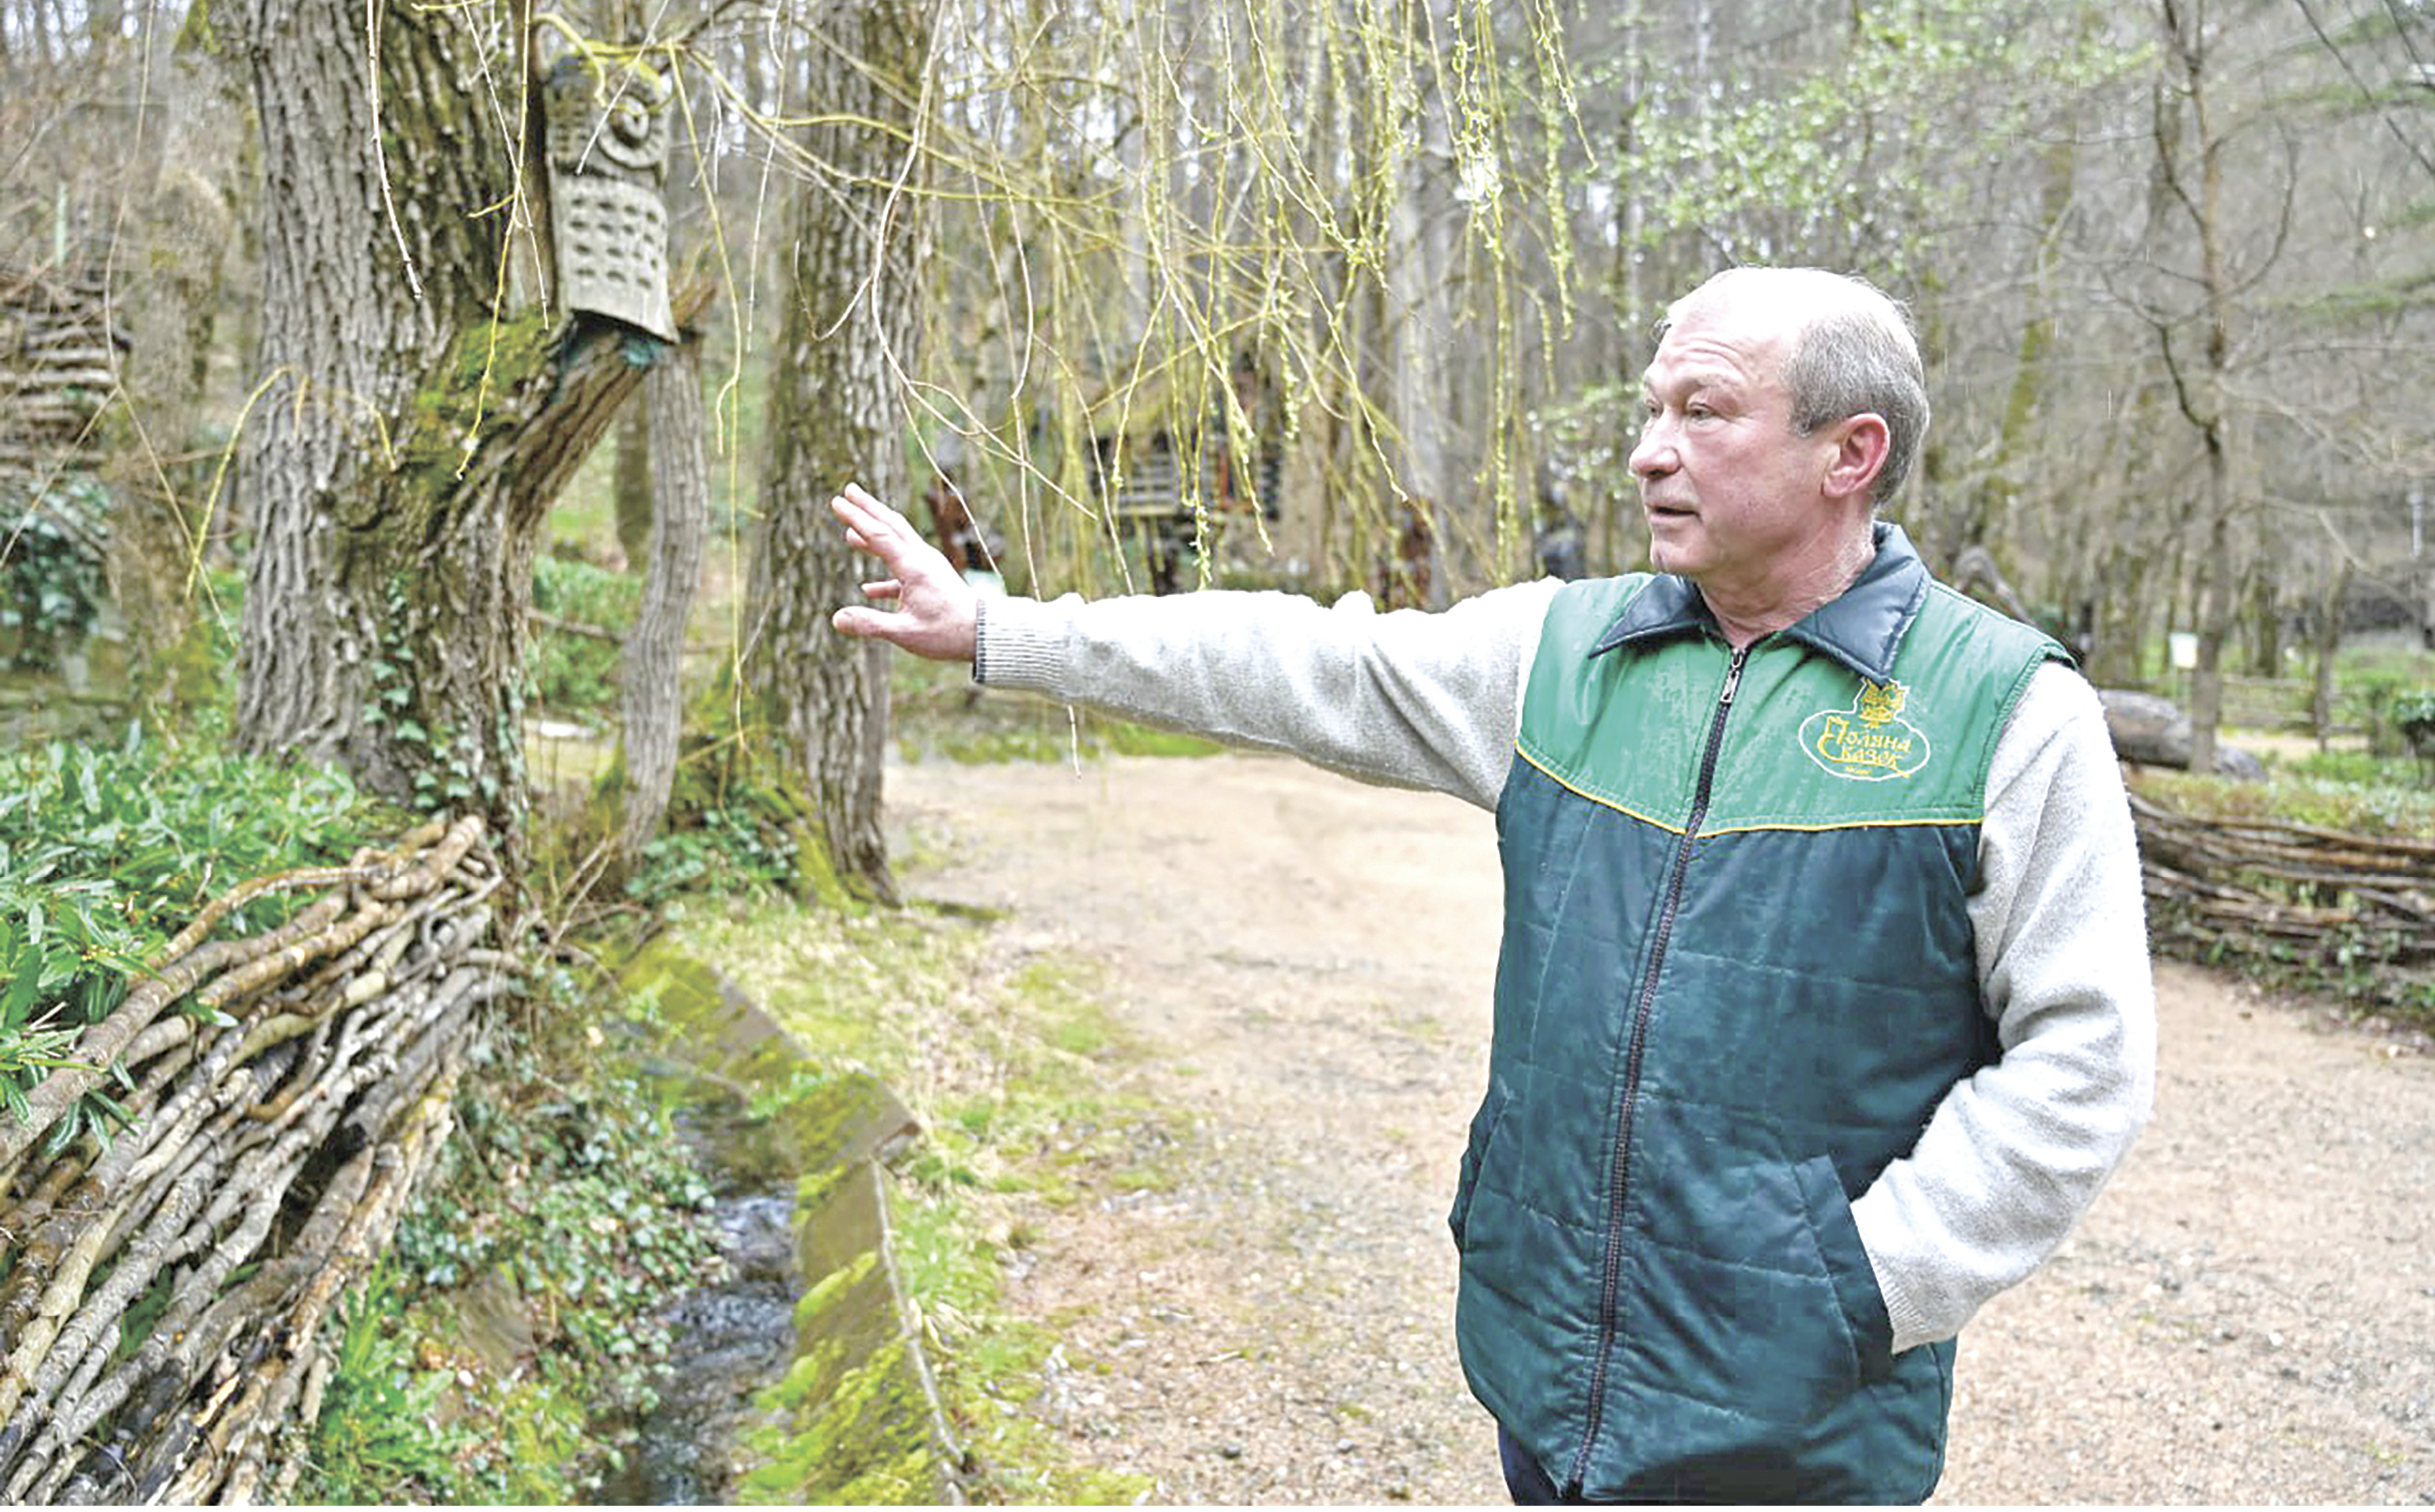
1654, 452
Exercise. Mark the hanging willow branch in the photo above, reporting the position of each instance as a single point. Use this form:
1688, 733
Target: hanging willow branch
288, 1090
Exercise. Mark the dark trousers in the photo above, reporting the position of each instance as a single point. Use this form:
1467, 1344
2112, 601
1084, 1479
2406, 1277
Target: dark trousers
1529, 1485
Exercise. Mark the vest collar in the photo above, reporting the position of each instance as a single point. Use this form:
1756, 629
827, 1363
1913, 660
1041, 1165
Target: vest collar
1862, 629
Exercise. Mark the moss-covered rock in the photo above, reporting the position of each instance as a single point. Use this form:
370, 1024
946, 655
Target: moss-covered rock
856, 1418
795, 1120
863, 1440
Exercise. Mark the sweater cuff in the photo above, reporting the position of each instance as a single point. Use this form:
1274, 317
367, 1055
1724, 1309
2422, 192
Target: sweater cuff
1911, 1326
1017, 643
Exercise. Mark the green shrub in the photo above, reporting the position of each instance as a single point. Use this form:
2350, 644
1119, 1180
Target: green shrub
51, 583
748, 839
2372, 680
572, 672
105, 854
2413, 714
2331, 770
738, 820
2324, 790
380, 1437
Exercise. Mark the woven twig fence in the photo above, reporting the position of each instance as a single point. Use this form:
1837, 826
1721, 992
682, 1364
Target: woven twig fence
163, 1297
2356, 912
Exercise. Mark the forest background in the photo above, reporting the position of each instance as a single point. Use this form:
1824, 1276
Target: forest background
322, 467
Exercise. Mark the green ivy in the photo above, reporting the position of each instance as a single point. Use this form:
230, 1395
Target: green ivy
748, 844
380, 1434
105, 854
569, 1194
51, 582
737, 822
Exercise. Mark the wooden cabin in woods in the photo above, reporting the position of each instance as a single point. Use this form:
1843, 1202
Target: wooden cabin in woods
58, 366
1167, 461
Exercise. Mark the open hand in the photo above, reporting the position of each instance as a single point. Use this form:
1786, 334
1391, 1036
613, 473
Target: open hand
935, 609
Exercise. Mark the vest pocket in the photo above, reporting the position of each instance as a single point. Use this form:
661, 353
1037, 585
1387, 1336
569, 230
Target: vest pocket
1747, 1293
1475, 1156
1862, 1305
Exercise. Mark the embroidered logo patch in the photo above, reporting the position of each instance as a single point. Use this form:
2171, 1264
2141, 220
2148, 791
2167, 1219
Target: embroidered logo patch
1871, 741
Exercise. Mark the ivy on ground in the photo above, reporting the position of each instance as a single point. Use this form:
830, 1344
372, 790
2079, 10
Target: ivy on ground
514, 1340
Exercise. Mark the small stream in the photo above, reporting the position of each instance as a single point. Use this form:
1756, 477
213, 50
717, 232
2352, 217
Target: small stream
728, 1341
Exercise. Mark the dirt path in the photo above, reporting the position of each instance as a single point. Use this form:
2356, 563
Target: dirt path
2248, 1316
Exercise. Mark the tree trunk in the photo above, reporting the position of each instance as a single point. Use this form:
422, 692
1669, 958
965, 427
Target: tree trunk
2265, 623
2206, 393
679, 519
2423, 559
347, 337
1987, 514
2325, 645
858, 250
632, 483
399, 462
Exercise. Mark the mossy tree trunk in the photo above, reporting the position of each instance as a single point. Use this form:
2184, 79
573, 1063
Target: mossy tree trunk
855, 262
396, 467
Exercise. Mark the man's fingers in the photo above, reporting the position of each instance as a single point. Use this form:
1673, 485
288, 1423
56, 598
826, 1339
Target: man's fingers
865, 624
921, 606
875, 529
857, 495
860, 524
864, 530
855, 506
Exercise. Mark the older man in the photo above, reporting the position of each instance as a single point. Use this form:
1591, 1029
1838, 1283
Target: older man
1823, 1008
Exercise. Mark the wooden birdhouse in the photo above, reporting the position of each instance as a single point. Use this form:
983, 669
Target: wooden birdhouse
606, 135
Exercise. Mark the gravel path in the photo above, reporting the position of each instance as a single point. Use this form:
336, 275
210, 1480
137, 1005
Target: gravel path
2248, 1316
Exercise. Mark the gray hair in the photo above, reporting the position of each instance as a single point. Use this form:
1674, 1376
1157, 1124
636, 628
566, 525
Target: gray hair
1856, 355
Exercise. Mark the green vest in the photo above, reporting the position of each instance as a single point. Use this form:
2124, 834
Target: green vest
1736, 977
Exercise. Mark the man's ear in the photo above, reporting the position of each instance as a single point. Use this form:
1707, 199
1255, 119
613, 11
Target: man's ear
1861, 444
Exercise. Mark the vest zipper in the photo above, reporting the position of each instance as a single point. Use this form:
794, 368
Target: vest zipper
1618, 1187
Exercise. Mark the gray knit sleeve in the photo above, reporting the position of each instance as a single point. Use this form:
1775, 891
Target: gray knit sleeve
2012, 1156
1404, 699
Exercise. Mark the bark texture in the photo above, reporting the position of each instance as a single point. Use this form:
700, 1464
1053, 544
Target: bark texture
398, 465
633, 486
344, 339
857, 249
678, 432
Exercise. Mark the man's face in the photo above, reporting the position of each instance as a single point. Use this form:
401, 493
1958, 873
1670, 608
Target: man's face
1733, 495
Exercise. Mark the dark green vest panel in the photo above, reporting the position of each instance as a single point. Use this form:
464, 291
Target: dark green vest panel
1722, 1009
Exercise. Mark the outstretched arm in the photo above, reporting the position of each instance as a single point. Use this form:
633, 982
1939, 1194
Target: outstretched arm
935, 611
1409, 698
